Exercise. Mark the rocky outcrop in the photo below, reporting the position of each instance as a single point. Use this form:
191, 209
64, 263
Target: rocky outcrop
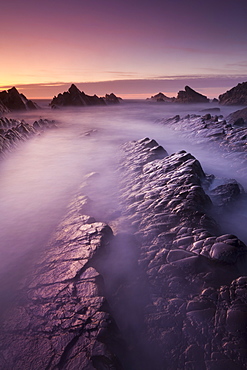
76, 98
63, 322
111, 99
14, 101
238, 118
195, 315
3, 109
158, 287
162, 98
12, 132
229, 134
236, 96
190, 96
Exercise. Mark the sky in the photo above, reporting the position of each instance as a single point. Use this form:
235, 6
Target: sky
136, 47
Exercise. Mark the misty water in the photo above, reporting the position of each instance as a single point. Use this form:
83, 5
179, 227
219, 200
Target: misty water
40, 176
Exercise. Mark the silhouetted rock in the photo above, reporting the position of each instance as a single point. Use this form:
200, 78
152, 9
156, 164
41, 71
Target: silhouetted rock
13, 131
236, 96
3, 108
160, 97
75, 97
190, 96
13, 100
238, 118
111, 99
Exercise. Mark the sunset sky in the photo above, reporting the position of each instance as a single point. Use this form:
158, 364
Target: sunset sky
134, 48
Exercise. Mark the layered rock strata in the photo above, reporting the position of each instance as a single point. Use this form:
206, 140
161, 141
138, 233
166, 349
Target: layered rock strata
12, 100
197, 314
14, 131
160, 287
235, 96
229, 134
61, 320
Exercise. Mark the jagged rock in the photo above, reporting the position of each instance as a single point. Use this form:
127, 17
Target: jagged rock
238, 118
75, 97
160, 97
3, 108
13, 100
236, 96
190, 96
13, 131
111, 99
63, 322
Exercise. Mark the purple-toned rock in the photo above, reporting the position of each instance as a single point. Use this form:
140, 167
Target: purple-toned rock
112, 99
238, 118
161, 98
236, 96
190, 96
76, 98
15, 101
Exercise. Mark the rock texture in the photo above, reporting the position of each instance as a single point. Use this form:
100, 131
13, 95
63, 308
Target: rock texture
196, 316
75, 97
238, 118
229, 134
236, 96
158, 287
190, 96
12, 132
63, 320
14, 101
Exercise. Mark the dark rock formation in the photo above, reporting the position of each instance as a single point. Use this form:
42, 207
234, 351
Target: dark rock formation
190, 96
214, 131
3, 109
75, 97
238, 118
236, 96
160, 97
15, 101
164, 291
12, 132
111, 99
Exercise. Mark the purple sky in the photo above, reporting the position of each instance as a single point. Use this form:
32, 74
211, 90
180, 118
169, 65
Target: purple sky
100, 40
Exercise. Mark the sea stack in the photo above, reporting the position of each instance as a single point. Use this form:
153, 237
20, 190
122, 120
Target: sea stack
191, 96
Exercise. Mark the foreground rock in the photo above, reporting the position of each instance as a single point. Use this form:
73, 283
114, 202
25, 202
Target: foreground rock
12, 131
190, 96
196, 315
236, 96
14, 101
166, 290
238, 118
62, 320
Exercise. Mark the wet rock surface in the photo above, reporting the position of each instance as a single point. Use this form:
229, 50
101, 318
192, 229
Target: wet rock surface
215, 131
14, 101
197, 309
13, 131
62, 320
151, 283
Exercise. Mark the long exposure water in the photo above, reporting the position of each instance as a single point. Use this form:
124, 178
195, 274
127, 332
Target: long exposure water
39, 178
